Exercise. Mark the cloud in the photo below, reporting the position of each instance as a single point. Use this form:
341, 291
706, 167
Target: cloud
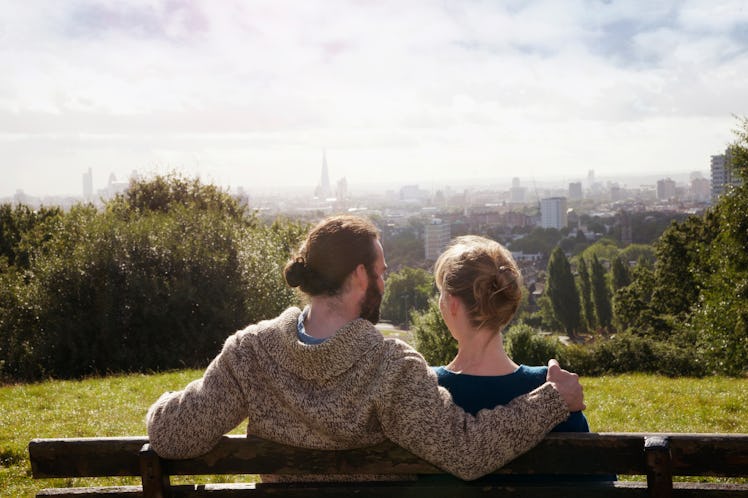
477, 82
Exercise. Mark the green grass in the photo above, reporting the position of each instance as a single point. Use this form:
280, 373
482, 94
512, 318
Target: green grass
116, 406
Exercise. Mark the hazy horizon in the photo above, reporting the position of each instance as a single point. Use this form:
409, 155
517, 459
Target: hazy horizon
251, 93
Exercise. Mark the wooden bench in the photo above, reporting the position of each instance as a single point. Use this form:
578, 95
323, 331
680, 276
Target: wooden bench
659, 457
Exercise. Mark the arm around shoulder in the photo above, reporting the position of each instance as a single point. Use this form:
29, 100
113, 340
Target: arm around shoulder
421, 417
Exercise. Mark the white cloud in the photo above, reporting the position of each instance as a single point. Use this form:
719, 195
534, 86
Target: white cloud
400, 88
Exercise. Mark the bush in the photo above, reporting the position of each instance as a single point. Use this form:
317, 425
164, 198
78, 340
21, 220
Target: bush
140, 289
524, 345
626, 352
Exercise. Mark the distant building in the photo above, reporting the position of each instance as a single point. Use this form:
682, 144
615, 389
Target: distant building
665, 189
722, 175
575, 191
700, 189
323, 190
341, 191
517, 193
88, 185
437, 237
553, 213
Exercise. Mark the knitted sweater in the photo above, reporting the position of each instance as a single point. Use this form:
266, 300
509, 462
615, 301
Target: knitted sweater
356, 389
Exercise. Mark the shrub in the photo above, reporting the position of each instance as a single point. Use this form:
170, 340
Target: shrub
524, 345
142, 289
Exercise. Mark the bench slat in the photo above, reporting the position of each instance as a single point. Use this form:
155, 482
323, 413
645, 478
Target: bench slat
86, 457
622, 489
692, 454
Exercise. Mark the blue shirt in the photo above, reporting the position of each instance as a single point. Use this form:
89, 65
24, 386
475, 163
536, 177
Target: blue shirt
473, 393
301, 330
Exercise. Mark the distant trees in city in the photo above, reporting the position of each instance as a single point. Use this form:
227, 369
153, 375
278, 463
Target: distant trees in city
562, 293
407, 290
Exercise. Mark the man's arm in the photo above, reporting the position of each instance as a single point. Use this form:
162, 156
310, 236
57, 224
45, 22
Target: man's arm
188, 423
421, 417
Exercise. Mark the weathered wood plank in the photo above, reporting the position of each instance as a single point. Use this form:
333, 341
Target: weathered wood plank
622, 489
86, 457
692, 454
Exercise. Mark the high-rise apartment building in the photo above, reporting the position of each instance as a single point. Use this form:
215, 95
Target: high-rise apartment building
553, 213
722, 175
437, 237
665, 189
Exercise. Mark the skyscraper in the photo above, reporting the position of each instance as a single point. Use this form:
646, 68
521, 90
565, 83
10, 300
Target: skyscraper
323, 190
88, 185
665, 189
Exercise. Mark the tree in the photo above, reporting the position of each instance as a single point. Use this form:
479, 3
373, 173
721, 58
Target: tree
621, 273
432, 337
720, 317
130, 288
406, 290
562, 292
601, 294
585, 294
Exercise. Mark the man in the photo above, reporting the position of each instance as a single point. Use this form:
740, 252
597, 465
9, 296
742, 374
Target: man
326, 378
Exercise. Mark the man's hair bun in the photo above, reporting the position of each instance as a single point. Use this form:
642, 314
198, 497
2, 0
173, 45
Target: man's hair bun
296, 272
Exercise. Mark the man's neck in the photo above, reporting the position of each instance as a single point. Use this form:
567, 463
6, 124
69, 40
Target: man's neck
326, 316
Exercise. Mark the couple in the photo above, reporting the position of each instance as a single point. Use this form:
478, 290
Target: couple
325, 378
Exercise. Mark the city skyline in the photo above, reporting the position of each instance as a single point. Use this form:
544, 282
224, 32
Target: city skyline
250, 94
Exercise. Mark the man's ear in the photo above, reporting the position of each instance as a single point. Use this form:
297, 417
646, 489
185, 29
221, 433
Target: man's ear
361, 277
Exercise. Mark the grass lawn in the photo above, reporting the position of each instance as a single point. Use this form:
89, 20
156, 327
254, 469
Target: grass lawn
116, 406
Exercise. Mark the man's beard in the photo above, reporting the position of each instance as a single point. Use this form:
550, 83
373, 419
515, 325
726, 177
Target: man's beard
371, 302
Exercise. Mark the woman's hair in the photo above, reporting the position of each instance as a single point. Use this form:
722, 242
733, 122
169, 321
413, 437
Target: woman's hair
331, 251
484, 276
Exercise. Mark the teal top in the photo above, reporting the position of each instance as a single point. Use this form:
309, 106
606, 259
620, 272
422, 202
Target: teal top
475, 392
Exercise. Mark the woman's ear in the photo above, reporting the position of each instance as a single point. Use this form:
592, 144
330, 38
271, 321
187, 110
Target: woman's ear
453, 304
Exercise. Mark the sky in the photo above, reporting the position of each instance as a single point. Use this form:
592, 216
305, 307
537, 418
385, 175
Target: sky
253, 93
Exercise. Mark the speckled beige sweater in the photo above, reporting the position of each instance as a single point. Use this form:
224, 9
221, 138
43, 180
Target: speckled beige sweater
353, 390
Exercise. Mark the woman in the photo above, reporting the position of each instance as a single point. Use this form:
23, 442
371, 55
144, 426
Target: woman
480, 290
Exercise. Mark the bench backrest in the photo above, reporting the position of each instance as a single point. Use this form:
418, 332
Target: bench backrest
658, 456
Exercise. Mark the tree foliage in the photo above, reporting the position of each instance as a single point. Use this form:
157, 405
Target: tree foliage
601, 295
144, 284
697, 291
406, 291
562, 292
432, 337
585, 295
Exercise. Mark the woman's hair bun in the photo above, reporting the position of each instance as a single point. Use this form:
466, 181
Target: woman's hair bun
296, 272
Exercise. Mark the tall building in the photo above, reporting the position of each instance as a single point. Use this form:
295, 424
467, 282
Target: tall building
701, 189
575, 191
517, 193
722, 175
88, 185
323, 190
553, 213
665, 189
437, 237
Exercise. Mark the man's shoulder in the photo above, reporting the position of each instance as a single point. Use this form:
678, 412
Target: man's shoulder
285, 320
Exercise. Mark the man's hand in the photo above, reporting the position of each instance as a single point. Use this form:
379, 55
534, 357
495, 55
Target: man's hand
568, 386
